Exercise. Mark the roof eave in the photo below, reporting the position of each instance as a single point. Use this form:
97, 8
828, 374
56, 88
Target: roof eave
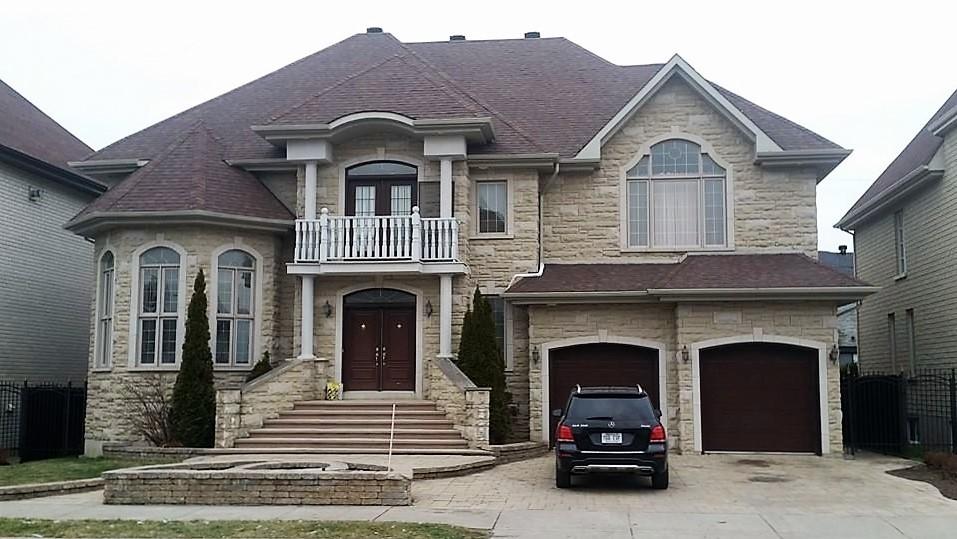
820, 293
91, 223
50, 171
108, 166
945, 123
898, 190
476, 130
541, 161
823, 160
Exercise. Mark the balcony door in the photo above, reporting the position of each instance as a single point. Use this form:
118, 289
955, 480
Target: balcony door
381, 188
378, 330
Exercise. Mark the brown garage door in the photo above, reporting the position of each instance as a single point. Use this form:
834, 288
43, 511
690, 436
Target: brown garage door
600, 364
760, 397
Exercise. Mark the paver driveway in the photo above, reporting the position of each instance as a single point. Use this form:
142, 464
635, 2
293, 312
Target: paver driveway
710, 496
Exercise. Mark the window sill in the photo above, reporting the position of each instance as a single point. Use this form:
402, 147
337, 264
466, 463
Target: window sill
503, 236
144, 368
231, 368
101, 369
725, 249
900, 276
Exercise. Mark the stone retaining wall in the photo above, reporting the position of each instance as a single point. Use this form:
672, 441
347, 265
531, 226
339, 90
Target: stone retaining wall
465, 404
255, 484
240, 410
36, 490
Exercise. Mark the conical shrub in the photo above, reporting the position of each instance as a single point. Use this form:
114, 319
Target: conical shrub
193, 409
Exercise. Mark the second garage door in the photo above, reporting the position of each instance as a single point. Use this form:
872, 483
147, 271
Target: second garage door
760, 397
600, 364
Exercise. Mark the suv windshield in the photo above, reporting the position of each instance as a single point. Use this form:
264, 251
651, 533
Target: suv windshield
611, 408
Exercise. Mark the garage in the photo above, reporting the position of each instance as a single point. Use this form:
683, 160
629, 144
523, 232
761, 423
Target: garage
600, 364
760, 397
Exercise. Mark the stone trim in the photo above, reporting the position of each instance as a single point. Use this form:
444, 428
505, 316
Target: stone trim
36, 490
240, 410
466, 405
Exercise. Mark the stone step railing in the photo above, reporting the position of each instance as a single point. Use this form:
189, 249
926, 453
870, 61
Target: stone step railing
465, 404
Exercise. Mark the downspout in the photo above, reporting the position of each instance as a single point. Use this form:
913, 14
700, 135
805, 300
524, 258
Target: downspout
541, 248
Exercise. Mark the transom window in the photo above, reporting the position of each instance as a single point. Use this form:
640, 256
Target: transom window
676, 198
492, 207
158, 306
104, 330
235, 308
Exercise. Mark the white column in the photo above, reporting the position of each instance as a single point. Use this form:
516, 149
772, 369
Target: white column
445, 316
309, 197
445, 188
308, 304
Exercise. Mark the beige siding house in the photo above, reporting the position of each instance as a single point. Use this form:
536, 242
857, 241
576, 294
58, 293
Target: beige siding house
906, 243
634, 225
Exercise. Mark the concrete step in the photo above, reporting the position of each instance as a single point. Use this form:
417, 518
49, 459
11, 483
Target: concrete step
343, 413
348, 443
366, 404
280, 450
313, 433
305, 422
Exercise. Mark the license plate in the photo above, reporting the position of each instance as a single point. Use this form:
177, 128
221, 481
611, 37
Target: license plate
611, 437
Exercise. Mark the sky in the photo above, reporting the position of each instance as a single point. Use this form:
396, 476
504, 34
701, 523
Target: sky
867, 76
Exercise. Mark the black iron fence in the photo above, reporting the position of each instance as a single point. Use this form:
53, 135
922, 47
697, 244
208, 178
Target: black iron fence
44, 420
905, 414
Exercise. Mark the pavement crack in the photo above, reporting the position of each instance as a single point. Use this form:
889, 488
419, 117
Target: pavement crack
773, 529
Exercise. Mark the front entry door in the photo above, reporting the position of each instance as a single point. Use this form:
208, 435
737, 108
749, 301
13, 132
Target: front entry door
379, 349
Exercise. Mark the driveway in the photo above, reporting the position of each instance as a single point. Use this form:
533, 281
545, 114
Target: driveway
713, 496
710, 496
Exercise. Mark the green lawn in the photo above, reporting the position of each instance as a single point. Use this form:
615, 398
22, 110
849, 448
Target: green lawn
265, 529
65, 469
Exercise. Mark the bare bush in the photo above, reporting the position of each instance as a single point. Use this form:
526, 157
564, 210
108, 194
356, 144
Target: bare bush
149, 408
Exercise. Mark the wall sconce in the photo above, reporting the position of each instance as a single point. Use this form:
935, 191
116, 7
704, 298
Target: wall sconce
834, 354
327, 309
684, 353
428, 308
34, 194
535, 354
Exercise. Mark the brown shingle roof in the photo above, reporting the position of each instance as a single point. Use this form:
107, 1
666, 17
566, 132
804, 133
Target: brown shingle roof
698, 272
543, 95
25, 128
191, 175
917, 153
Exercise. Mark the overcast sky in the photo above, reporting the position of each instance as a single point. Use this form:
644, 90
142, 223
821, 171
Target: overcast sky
866, 75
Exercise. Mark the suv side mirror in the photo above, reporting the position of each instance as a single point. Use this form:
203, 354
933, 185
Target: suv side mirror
557, 412
657, 413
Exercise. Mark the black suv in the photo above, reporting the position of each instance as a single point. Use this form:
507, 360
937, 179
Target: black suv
610, 430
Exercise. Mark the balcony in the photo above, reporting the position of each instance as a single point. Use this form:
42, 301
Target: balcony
397, 244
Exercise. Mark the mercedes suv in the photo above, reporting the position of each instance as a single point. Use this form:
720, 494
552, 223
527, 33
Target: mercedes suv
610, 430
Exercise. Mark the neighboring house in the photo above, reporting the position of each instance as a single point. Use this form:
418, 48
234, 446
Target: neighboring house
905, 242
633, 224
45, 278
843, 262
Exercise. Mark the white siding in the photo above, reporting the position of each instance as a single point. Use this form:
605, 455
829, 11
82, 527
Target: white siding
46, 279
930, 288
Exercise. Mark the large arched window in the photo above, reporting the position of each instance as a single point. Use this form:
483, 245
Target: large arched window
381, 188
104, 310
676, 198
158, 306
235, 308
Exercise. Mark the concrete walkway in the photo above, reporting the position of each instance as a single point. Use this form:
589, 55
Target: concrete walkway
711, 497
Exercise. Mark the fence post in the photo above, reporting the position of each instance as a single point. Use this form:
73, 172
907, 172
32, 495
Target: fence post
953, 410
850, 433
902, 414
66, 419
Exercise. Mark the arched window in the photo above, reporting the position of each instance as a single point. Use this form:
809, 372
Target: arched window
381, 188
104, 310
235, 308
158, 306
676, 198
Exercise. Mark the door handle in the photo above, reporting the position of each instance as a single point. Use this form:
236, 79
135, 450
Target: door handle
383, 355
376, 355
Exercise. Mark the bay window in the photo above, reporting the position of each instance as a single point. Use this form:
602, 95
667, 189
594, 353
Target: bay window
676, 198
235, 308
104, 321
159, 299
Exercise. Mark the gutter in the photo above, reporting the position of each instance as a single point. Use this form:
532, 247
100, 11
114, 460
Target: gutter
946, 122
899, 189
93, 222
696, 294
108, 166
64, 176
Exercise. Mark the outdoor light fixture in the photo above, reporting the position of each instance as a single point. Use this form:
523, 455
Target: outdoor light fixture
34, 194
428, 308
835, 353
684, 353
535, 354
327, 309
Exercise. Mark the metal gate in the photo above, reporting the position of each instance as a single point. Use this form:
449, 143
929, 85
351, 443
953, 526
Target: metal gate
41, 421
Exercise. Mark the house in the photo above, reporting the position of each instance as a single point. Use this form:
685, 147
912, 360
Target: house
631, 224
46, 270
903, 242
843, 262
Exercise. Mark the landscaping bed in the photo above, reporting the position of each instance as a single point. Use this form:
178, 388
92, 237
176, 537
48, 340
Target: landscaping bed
134, 529
939, 470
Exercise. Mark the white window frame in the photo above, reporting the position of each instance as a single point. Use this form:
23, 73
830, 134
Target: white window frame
134, 338
645, 150
509, 197
103, 351
900, 244
257, 308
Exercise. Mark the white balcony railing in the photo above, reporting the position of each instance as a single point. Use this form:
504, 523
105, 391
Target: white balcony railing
387, 238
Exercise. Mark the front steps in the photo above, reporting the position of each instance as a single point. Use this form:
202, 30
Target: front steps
358, 427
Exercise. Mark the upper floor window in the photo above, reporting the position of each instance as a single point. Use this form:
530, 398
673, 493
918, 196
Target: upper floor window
899, 242
676, 198
384, 188
235, 308
158, 318
104, 320
492, 207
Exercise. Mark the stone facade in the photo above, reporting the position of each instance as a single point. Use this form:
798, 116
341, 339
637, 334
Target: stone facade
463, 403
240, 410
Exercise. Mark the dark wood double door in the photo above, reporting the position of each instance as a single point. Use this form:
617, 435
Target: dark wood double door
379, 348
